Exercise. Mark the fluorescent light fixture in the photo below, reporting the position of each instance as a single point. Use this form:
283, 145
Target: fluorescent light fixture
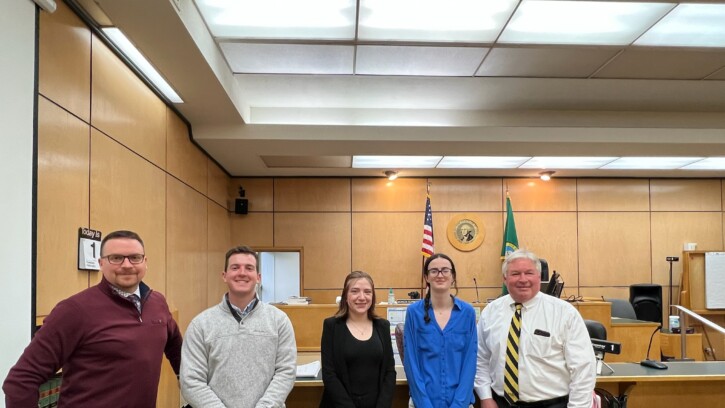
566, 162
650, 163
710, 163
397, 162
137, 59
481, 162
280, 19
689, 25
581, 22
289, 58
433, 20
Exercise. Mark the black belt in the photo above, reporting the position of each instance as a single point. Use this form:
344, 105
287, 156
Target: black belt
534, 404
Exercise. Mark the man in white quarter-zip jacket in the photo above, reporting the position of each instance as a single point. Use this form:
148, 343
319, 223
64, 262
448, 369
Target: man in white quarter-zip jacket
242, 352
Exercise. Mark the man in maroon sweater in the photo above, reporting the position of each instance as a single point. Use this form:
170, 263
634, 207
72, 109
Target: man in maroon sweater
108, 339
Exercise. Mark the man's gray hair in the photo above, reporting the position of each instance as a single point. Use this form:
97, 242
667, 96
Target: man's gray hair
520, 254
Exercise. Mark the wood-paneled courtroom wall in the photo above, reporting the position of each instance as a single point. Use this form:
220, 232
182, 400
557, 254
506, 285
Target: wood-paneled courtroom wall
112, 155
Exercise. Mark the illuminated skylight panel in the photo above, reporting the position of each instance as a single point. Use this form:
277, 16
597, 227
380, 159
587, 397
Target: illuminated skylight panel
481, 162
280, 19
581, 22
119, 39
433, 20
650, 163
553, 162
711, 163
689, 25
395, 162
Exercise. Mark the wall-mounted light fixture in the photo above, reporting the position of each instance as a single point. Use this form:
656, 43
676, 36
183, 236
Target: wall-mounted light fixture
391, 174
546, 175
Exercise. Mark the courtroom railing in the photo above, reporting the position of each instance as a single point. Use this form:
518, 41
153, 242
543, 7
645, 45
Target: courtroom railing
684, 313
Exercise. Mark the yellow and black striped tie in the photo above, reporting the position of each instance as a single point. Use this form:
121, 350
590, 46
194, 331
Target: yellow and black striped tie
511, 372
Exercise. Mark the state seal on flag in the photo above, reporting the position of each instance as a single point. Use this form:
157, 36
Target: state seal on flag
466, 232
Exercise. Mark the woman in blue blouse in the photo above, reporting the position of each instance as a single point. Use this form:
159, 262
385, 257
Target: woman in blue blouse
440, 341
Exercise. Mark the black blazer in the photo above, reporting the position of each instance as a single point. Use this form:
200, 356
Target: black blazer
335, 375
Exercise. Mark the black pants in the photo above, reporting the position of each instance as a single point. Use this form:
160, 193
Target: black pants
554, 403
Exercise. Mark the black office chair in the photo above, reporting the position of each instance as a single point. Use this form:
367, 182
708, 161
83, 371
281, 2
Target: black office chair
399, 329
622, 308
544, 270
596, 329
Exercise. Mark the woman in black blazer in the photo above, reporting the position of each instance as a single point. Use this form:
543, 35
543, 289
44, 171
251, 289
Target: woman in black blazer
358, 369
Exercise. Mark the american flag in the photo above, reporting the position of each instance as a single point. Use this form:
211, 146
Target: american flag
427, 247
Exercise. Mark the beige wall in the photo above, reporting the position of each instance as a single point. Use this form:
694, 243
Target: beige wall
601, 234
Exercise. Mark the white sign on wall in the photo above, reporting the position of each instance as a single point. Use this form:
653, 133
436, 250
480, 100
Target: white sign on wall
89, 249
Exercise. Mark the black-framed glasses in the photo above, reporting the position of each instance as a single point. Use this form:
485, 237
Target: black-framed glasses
116, 259
442, 271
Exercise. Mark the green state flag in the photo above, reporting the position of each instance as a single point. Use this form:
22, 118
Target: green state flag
510, 240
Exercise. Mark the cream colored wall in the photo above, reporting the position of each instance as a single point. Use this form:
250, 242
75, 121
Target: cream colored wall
601, 234
112, 155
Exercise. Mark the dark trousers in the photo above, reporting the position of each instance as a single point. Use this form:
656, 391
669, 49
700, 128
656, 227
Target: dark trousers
560, 402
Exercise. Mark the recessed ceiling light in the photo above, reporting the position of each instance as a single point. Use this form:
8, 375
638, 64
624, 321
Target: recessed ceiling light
391, 174
546, 175
481, 162
689, 25
397, 162
566, 162
650, 163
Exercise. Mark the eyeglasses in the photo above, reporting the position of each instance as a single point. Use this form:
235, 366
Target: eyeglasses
442, 271
115, 259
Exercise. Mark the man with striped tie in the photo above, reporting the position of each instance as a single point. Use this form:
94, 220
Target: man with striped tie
533, 349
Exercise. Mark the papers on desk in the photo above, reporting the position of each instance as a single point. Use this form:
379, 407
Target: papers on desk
310, 370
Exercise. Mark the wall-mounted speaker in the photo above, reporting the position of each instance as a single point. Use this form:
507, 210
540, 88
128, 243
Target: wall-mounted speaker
241, 206
647, 301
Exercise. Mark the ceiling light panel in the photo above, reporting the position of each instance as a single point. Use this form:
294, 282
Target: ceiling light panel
581, 22
711, 163
481, 162
689, 25
120, 40
566, 162
433, 20
289, 58
650, 163
395, 162
280, 19
422, 61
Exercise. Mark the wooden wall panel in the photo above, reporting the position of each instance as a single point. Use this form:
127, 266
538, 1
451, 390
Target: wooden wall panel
218, 185
326, 240
64, 61
483, 263
400, 195
259, 191
300, 194
466, 195
613, 194
186, 251
614, 248
128, 192
670, 230
183, 159
537, 195
253, 229
387, 246
686, 195
63, 160
124, 108
552, 236
607, 292
218, 243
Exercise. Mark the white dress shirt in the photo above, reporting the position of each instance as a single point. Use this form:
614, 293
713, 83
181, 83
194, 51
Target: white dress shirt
556, 357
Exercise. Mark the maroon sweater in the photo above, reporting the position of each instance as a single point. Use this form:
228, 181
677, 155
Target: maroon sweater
110, 355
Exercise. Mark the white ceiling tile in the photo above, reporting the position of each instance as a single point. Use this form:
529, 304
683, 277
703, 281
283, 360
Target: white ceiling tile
568, 162
545, 62
289, 58
433, 20
278, 19
581, 22
422, 61
689, 25
651, 163
663, 63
